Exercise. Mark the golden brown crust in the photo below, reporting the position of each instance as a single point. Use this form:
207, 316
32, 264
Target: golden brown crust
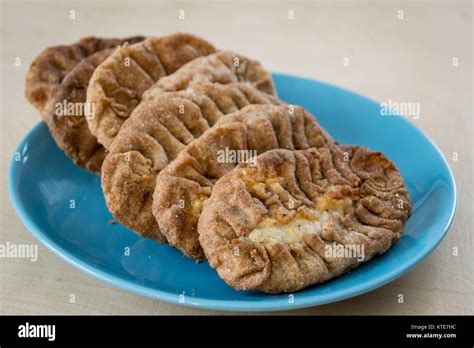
222, 67
71, 131
376, 207
154, 134
183, 186
117, 85
61, 88
49, 68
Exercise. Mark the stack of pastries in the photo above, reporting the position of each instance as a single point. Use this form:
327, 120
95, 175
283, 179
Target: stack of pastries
195, 149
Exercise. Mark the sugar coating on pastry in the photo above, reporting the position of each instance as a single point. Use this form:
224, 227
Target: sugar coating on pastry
298, 218
117, 85
185, 184
50, 67
221, 67
66, 114
156, 132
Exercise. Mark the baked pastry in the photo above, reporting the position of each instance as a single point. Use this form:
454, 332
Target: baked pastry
279, 226
154, 135
185, 184
48, 70
71, 131
117, 85
222, 67
56, 84
195, 149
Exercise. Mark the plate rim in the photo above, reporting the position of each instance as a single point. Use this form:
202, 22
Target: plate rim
229, 305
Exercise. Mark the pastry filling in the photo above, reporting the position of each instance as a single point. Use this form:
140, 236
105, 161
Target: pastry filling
272, 231
301, 221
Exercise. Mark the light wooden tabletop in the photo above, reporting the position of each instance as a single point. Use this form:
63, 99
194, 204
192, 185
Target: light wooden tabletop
406, 51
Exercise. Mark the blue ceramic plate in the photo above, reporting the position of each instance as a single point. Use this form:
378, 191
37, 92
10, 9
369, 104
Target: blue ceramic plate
63, 206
